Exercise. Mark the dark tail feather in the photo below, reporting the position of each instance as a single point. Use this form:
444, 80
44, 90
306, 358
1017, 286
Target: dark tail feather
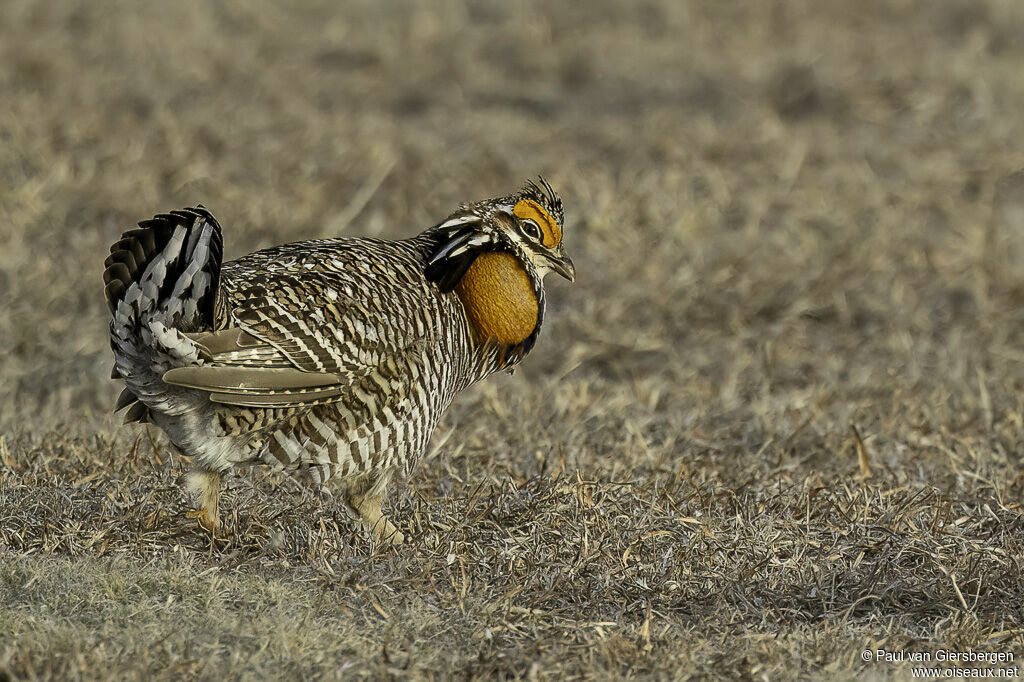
158, 265
161, 280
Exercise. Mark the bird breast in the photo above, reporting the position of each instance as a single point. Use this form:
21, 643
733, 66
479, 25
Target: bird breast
499, 299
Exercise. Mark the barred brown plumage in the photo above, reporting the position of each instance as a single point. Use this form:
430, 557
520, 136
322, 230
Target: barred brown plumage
334, 356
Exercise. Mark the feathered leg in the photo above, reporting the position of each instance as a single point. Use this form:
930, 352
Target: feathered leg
206, 485
366, 500
372, 517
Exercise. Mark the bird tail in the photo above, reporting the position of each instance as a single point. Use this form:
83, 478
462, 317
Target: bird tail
161, 282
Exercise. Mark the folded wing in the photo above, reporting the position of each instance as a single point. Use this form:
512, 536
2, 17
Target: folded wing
298, 341
240, 369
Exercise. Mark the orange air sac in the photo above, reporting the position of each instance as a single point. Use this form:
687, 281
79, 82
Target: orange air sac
499, 299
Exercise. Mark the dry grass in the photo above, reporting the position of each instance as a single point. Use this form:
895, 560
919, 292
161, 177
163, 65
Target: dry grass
778, 420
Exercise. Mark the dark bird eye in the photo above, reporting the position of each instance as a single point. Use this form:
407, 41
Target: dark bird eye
530, 229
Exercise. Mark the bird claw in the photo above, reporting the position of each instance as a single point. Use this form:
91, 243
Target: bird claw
204, 519
387, 533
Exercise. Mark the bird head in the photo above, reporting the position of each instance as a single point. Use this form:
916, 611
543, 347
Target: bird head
527, 224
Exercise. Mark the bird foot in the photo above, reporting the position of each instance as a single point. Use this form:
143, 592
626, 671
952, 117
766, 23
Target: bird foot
207, 485
205, 520
386, 531
371, 517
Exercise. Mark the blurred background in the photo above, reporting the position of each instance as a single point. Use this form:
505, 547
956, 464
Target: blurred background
797, 226
763, 198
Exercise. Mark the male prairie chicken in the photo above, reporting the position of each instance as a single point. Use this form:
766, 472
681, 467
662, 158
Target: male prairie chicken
335, 356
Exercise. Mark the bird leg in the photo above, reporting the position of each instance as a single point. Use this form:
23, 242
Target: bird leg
368, 506
206, 484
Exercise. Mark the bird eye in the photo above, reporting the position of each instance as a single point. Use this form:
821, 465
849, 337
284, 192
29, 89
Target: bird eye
530, 229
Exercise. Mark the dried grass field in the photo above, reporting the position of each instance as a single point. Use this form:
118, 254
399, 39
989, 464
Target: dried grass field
778, 419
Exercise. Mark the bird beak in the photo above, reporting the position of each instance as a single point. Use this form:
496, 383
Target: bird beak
562, 264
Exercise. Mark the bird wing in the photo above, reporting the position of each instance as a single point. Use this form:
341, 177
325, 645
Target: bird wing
302, 339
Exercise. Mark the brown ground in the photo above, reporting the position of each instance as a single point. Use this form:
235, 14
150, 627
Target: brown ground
778, 420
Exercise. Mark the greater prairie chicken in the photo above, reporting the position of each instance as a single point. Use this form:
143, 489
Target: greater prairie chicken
334, 356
